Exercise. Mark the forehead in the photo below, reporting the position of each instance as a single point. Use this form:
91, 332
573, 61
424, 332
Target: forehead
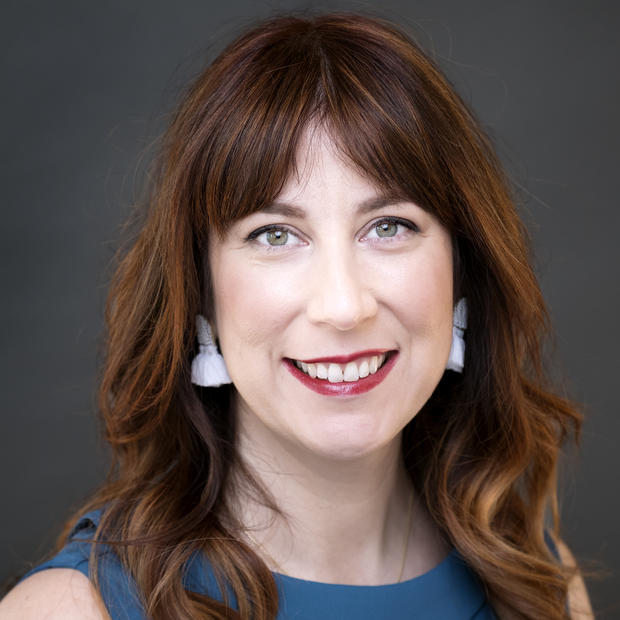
322, 171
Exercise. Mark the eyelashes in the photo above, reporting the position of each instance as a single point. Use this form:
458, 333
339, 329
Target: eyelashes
382, 230
387, 227
275, 236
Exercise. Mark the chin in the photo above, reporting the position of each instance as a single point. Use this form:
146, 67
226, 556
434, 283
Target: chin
347, 441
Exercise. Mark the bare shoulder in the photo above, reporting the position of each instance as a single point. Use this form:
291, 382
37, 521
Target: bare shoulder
54, 594
578, 599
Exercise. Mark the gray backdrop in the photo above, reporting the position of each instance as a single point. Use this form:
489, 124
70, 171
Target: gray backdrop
87, 87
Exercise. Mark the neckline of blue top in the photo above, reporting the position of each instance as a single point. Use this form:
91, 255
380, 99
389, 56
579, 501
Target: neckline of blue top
451, 556
448, 591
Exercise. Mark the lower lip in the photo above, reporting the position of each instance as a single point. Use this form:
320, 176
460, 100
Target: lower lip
344, 388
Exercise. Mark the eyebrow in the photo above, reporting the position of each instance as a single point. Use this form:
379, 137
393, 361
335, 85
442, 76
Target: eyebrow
366, 206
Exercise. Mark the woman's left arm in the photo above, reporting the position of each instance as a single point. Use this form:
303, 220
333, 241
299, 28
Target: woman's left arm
578, 599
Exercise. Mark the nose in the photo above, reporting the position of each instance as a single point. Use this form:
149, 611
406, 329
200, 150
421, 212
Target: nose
340, 295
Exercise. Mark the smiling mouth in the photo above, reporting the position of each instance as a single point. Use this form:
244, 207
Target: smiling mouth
338, 373
346, 376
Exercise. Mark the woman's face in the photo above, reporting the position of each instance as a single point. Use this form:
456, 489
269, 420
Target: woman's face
355, 285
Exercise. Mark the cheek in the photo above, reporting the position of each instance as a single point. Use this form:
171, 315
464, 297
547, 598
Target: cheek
251, 303
419, 290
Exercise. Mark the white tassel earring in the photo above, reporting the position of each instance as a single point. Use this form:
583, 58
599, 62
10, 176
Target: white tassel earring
456, 359
208, 367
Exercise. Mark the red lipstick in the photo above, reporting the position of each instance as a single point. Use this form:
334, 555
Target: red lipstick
344, 388
345, 359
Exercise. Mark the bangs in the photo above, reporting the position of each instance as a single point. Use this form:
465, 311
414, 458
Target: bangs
373, 92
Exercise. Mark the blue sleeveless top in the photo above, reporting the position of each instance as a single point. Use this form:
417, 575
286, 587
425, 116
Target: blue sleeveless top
450, 591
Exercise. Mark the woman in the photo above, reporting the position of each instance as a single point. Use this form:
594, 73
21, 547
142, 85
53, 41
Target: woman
329, 211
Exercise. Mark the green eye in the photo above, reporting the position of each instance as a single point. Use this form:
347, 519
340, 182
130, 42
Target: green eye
386, 229
276, 237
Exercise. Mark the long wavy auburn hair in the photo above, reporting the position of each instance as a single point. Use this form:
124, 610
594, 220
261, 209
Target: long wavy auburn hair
482, 453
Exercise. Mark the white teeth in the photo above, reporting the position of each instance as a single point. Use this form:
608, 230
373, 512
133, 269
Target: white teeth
351, 372
334, 373
364, 371
375, 363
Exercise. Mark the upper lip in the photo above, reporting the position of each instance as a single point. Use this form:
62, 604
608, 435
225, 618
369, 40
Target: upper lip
344, 359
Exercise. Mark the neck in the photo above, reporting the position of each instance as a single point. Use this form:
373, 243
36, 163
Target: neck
338, 521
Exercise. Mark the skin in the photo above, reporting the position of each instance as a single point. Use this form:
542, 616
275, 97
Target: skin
54, 594
335, 287
578, 599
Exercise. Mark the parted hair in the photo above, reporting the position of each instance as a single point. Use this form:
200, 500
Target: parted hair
482, 453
